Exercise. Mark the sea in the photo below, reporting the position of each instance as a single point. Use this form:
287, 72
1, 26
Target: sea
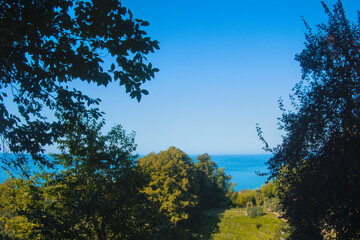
242, 168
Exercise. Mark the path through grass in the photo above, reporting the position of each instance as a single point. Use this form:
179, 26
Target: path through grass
233, 224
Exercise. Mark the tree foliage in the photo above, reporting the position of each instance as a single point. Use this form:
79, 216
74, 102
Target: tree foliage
97, 195
317, 165
172, 182
12, 225
47, 45
184, 188
213, 183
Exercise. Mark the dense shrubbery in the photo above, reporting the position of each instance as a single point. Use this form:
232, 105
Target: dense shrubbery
255, 211
265, 197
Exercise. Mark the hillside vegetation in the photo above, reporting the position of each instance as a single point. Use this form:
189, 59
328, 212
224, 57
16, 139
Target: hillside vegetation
234, 224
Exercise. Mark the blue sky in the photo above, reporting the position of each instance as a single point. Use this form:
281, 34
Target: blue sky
223, 67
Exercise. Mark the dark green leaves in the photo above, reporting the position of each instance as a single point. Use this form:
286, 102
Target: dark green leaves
49, 44
145, 92
97, 195
145, 23
317, 164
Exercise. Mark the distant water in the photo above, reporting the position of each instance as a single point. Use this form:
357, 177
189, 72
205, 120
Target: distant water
31, 167
242, 168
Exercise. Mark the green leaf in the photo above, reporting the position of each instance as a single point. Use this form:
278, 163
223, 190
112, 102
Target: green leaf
145, 92
145, 23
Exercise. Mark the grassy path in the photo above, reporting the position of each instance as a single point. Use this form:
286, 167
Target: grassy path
233, 224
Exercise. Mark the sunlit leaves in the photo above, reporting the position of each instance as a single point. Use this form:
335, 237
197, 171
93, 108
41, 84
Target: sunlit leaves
172, 182
182, 187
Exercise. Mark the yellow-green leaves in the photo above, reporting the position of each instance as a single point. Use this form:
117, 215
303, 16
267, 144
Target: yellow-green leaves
183, 187
172, 182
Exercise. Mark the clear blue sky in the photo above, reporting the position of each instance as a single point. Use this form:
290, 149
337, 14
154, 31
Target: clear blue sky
223, 67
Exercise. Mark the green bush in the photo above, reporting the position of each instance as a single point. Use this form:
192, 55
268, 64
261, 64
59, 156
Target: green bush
255, 212
275, 205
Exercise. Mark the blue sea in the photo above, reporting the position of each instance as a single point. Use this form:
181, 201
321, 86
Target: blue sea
242, 168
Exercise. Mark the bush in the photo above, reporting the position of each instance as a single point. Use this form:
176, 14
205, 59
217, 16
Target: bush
255, 212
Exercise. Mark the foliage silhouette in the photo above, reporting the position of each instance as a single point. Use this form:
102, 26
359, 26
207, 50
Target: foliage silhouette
317, 165
47, 45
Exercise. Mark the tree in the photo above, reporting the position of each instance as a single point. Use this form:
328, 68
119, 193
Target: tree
172, 182
12, 226
317, 166
46, 45
97, 195
269, 190
213, 183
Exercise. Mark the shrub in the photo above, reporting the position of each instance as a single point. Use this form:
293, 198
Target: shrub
255, 212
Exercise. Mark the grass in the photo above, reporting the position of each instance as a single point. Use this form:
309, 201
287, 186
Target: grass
234, 224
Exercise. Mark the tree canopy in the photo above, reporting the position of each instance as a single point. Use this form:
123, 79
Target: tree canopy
317, 165
214, 184
172, 182
183, 188
97, 195
101, 192
45, 46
